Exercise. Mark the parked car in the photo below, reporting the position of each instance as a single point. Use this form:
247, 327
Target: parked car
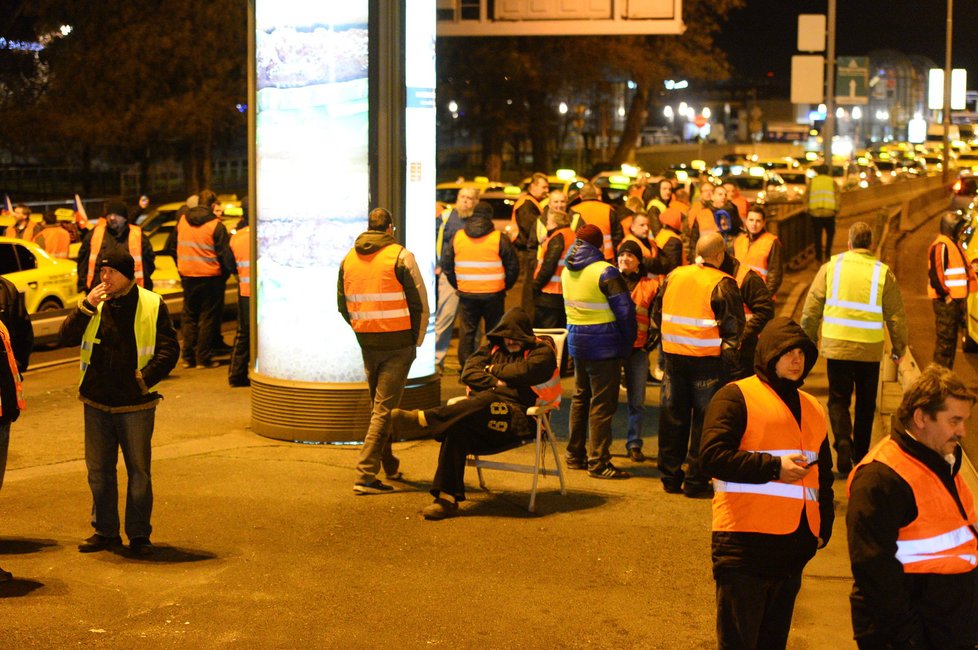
47, 283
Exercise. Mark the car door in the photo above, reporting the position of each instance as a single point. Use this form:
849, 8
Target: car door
18, 265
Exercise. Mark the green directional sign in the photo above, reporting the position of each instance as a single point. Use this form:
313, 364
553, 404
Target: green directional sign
852, 80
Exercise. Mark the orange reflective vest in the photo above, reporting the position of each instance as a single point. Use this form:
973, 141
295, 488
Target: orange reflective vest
940, 539
12, 362
134, 242
741, 204
754, 254
554, 286
375, 298
549, 392
702, 215
689, 326
742, 272
56, 240
775, 507
196, 255
958, 278
478, 267
642, 295
27, 234
646, 251
598, 214
241, 247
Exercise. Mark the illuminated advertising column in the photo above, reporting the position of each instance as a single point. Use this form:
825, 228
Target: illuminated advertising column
315, 71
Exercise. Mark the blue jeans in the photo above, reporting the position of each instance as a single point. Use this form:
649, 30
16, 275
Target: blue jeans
387, 372
105, 433
4, 444
636, 374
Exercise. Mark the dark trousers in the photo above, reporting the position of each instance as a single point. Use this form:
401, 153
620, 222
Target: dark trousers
550, 317
241, 351
687, 388
754, 611
528, 266
826, 225
852, 436
595, 400
481, 425
200, 321
470, 312
949, 317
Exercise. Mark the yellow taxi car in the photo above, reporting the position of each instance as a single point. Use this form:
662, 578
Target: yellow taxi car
970, 244
564, 180
447, 193
47, 283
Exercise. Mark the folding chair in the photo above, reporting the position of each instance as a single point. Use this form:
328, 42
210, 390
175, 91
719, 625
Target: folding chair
541, 415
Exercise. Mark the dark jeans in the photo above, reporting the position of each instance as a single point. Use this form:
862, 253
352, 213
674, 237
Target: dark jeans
528, 266
593, 405
4, 445
550, 317
754, 611
481, 425
852, 436
470, 312
241, 351
387, 372
948, 318
826, 225
105, 433
687, 388
200, 321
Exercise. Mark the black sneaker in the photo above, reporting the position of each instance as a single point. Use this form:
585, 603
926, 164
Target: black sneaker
672, 488
636, 456
698, 491
575, 463
141, 546
374, 487
608, 471
99, 543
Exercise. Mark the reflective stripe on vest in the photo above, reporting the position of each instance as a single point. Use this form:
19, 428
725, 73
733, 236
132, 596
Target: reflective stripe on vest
958, 278
854, 298
583, 300
196, 256
774, 507
754, 254
241, 247
940, 539
134, 242
821, 194
549, 392
375, 299
478, 267
554, 286
642, 295
14, 372
598, 214
689, 326
144, 327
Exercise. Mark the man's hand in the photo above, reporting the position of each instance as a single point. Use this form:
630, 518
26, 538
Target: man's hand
99, 293
793, 468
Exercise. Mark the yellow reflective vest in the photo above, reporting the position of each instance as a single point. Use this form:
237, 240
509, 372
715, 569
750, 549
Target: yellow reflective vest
854, 298
821, 196
147, 309
584, 302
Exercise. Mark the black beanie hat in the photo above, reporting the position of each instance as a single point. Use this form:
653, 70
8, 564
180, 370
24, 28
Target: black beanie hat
117, 207
121, 261
628, 246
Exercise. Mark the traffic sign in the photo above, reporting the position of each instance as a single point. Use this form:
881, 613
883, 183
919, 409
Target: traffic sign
852, 80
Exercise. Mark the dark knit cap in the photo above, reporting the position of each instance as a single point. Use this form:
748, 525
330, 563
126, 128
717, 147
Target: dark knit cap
116, 207
628, 246
121, 261
483, 209
592, 235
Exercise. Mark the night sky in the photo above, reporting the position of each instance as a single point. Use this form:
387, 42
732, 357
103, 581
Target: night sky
762, 37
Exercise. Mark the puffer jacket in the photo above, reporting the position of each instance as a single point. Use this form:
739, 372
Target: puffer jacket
606, 340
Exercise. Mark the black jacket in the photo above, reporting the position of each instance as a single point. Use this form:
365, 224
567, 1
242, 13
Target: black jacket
14, 315
112, 381
111, 241
492, 362
479, 225
922, 610
526, 220
757, 299
720, 456
670, 256
197, 217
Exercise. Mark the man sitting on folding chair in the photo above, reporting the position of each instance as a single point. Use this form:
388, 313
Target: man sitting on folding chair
512, 372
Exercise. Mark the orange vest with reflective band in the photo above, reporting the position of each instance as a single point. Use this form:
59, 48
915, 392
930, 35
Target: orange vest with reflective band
598, 214
554, 286
754, 254
642, 295
646, 251
135, 245
375, 298
478, 267
57, 241
741, 204
689, 326
958, 278
549, 392
775, 507
626, 222
514, 230
27, 234
703, 216
940, 539
12, 362
241, 247
196, 255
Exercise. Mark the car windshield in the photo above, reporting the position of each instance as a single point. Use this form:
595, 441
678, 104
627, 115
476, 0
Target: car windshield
502, 207
795, 178
14, 258
155, 220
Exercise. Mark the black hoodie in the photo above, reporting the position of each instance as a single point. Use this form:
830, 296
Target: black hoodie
533, 364
721, 457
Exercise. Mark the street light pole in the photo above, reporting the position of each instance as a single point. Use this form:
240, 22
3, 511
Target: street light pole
946, 113
828, 130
